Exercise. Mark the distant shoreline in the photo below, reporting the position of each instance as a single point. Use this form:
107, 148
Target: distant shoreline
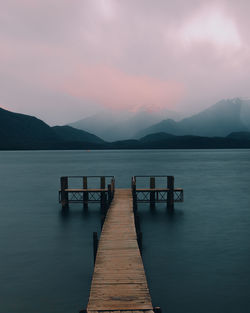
125, 149
24, 132
155, 141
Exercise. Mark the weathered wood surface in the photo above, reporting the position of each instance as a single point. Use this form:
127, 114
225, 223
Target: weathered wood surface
119, 281
87, 190
106, 189
158, 189
124, 311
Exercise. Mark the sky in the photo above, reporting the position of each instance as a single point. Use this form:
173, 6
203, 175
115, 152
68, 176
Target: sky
62, 60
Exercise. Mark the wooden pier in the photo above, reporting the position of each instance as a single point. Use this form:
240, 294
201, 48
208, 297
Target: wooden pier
119, 281
165, 193
83, 194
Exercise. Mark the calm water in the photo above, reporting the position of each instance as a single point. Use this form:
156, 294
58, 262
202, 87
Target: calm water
197, 260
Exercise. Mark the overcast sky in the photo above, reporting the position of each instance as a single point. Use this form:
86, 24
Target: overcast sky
62, 60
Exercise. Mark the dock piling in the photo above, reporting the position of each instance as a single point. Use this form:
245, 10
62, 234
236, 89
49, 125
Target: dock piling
134, 194
170, 193
95, 244
113, 186
102, 182
157, 309
109, 194
104, 204
64, 193
152, 193
103, 194
137, 223
139, 241
102, 220
85, 193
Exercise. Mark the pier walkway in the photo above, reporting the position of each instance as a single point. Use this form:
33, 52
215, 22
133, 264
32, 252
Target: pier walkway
119, 282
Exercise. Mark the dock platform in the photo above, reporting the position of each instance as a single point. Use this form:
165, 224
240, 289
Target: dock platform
119, 281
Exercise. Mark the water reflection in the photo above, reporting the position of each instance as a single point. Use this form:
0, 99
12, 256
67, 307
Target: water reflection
202, 249
79, 212
160, 213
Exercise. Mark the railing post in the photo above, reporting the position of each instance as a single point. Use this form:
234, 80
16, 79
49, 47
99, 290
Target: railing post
95, 244
170, 193
64, 194
139, 241
85, 193
152, 193
113, 186
133, 185
102, 182
109, 194
103, 194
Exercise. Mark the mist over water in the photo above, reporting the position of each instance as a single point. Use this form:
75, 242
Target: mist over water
196, 260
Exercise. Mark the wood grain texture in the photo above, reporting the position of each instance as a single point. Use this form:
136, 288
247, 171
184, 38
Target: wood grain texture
119, 281
82, 189
157, 189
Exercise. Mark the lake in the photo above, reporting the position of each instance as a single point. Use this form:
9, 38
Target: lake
196, 260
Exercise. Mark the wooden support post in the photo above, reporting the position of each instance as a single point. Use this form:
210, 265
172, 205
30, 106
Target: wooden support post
85, 193
95, 244
102, 182
139, 240
135, 202
133, 186
104, 205
137, 223
170, 194
157, 309
152, 193
64, 194
109, 194
102, 186
102, 221
113, 186
132, 182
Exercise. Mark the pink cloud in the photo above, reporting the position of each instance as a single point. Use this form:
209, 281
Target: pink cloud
115, 89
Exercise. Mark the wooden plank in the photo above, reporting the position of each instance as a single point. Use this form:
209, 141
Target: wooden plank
156, 189
119, 280
124, 311
82, 189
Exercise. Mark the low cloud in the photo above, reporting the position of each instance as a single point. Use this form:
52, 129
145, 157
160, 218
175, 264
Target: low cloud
115, 89
85, 55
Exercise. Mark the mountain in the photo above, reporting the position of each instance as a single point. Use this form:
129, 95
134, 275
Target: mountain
68, 133
240, 135
24, 132
221, 119
20, 131
157, 137
118, 125
168, 141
